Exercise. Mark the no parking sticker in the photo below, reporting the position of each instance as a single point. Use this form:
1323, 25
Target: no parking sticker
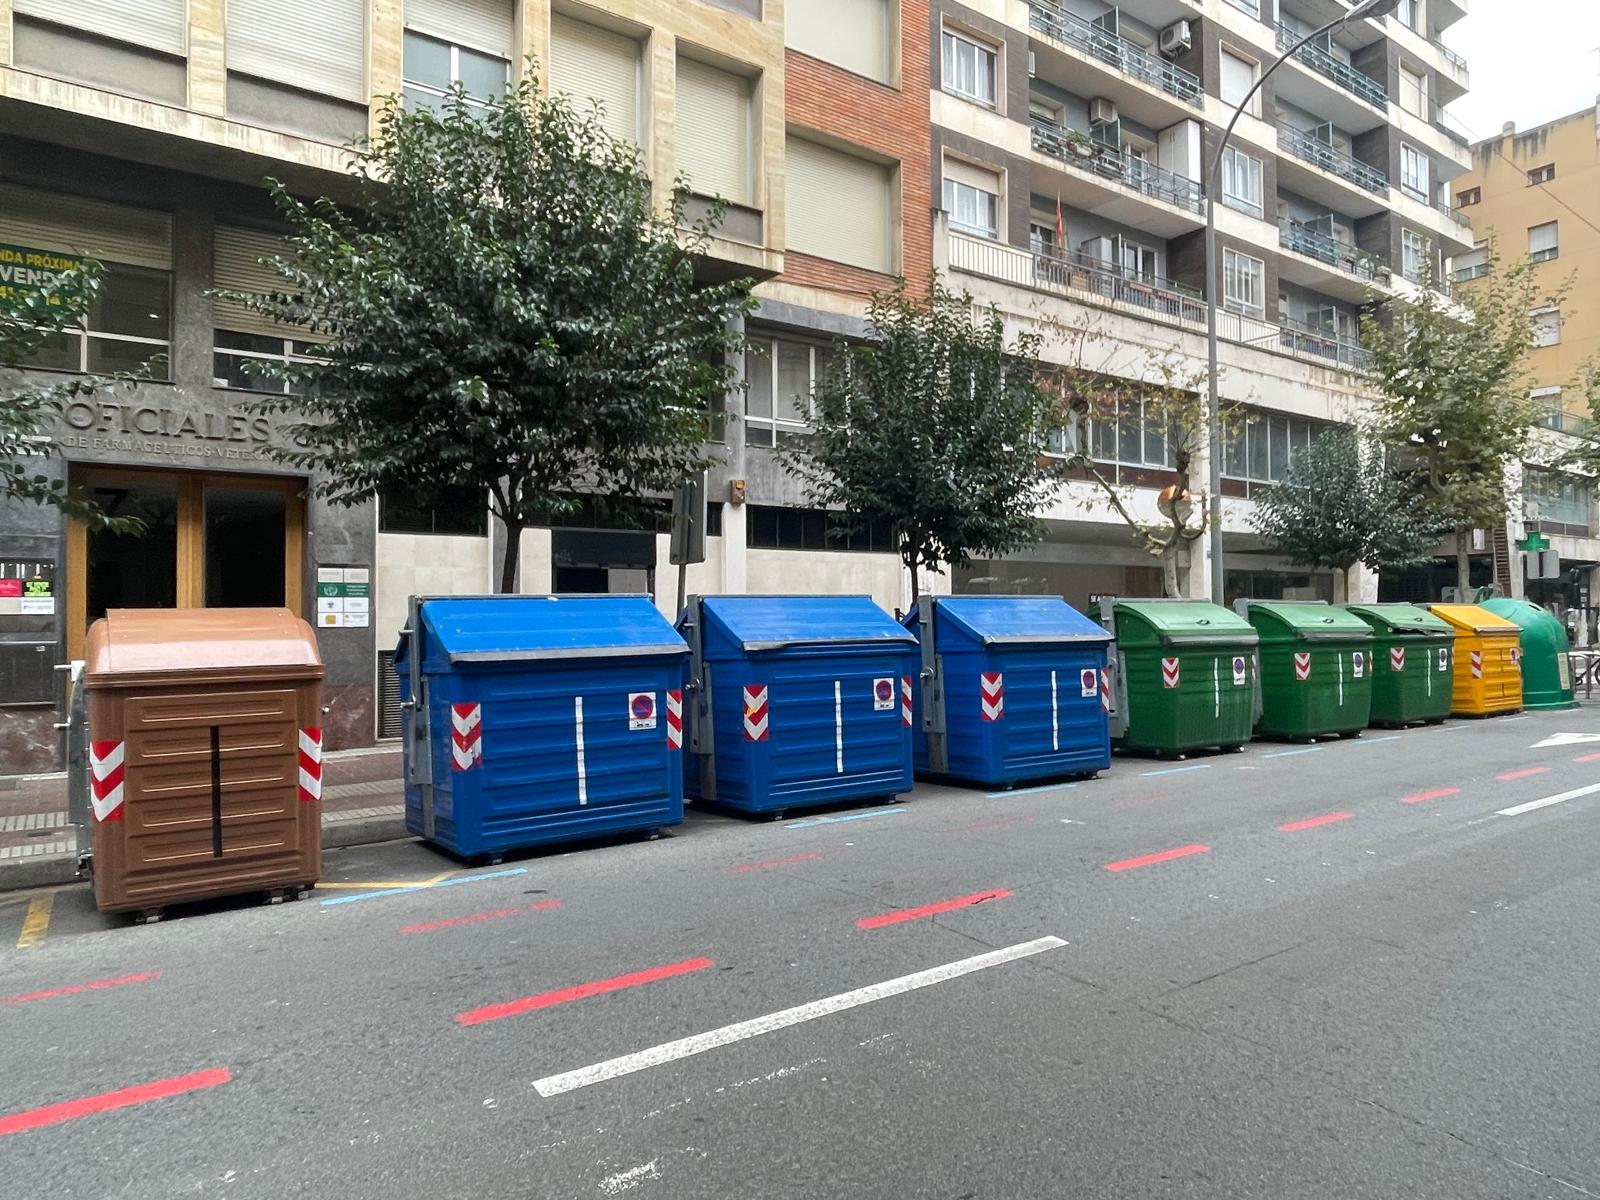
882, 695
641, 710
1238, 670
1444, 659
1088, 682
1358, 664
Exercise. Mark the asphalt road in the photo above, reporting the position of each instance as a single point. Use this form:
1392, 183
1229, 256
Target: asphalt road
1359, 980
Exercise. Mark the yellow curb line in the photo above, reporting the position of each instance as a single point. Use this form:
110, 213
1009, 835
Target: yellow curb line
36, 922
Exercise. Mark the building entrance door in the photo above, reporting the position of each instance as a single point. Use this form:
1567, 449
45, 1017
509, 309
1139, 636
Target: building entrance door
209, 541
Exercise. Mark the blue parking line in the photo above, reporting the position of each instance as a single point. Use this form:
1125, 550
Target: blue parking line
882, 812
1048, 787
411, 891
1286, 753
1393, 737
1175, 770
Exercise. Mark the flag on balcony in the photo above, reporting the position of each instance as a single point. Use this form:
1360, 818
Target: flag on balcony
1061, 225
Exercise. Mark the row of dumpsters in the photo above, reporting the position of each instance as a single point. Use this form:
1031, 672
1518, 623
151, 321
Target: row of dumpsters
532, 720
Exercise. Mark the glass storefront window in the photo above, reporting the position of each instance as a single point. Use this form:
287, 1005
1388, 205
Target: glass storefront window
129, 328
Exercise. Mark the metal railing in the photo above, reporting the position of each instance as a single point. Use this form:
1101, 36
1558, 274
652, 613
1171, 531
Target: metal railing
1125, 56
1319, 343
1451, 57
1455, 214
1304, 240
1443, 123
1093, 157
1343, 74
1466, 274
1317, 152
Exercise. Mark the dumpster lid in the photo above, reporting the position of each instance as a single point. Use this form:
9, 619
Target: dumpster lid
768, 623
150, 645
1471, 619
1312, 620
532, 628
1402, 618
1020, 620
1191, 622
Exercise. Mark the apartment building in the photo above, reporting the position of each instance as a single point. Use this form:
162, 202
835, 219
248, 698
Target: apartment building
1536, 193
1071, 139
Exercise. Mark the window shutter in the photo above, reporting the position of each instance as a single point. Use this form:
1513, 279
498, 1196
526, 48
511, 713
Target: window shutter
838, 206
961, 172
478, 24
590, 63
1542, 238
71, 225
713, 131
315, 45
1237, 78
159, 24
235, 265
852, 34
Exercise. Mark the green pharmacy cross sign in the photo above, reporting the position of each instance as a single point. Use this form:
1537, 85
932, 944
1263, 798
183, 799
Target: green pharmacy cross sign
1534, 542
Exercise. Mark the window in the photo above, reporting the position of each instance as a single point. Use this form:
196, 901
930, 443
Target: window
772, 528
853, 34
1238, 77
780, 374
1045, 112
1555, 496
1414, 172
1260, 446
1542, 174
1244, 284
972, 198
713, 131
1467, 197
1253, 7
457, 510
1241, 181
433, 67
824, 183
1549, 399
317, 46
1135, 431
159, 24
1546, 326
1414, 91
1542, 242
1408, 12
968, 69
1413, 255
1474, 264
245, 340
594, 64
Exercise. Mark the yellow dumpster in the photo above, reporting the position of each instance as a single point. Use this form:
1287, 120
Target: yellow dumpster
1488, 669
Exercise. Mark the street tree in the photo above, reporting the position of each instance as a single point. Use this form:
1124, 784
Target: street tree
935, 426
502, 307
1342, 503
1452, 395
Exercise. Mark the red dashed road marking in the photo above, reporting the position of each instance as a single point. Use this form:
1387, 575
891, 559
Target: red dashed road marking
1587, 758
71, 1110
768, 864
983, 825
931, 910
1522, 774
1161, 856
1436, 794
74, 988
477, 918
1313, 822
582, 991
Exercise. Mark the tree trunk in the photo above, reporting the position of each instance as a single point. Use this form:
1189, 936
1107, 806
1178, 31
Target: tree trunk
1464, 563
1170, 583
508, 568
915, 594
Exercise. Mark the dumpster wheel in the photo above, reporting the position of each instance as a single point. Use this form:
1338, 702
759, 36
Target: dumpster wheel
147, 916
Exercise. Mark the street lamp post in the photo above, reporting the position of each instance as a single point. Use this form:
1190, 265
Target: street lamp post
1366, 8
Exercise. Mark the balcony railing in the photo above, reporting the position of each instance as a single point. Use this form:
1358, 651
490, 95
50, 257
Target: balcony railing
1083, 153
1304, 240
1313, 150
1072, 270
1451, 57
1455, 214
1310, 341
1120, 53
1343, 74
1445, 125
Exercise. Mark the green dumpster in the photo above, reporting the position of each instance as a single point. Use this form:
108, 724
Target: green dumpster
1411, 668
1185, 675
1546, 669
1316, 668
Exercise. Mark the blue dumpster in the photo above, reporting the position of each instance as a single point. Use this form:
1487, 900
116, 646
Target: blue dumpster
797, 701
540, 719
1013, 688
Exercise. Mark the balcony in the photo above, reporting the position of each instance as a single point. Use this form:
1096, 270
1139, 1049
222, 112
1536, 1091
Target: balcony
1083, 153
1457, 63
1317, 152
1443, 122
1302, 239
1121, 54
1343, 74
1310, 342
1457, 218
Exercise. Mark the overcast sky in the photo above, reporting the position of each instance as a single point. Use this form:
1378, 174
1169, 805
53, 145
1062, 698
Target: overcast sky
1531, 61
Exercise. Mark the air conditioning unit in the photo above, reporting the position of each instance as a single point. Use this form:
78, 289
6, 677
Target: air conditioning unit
1102, 112
1177, 38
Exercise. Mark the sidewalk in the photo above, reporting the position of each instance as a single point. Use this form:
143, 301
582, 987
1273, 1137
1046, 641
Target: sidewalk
363, 800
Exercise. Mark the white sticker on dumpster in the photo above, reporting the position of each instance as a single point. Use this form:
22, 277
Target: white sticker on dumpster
1088, 682
1358, 664
883, 695
1238, 670
641, 710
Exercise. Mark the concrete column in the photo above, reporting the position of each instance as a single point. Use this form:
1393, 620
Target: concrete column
1363, 585
208, 71
661, 87
5, 33
735, 541
532, 48
385, 56
192, 327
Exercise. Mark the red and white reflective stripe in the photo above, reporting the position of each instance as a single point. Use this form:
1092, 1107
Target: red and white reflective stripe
755, 713
992, 687
310, 765
466, 735
1105, 689
1477, 664
105, 780
1397, 658
905, 701
674, 720
1171, 669
1302, 665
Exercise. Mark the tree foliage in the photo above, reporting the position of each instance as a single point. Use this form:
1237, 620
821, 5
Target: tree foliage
503, 307
935, 426
1452, 394
1342, 503
29, 320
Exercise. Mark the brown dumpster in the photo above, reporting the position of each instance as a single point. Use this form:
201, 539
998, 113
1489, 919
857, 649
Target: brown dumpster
205, 755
